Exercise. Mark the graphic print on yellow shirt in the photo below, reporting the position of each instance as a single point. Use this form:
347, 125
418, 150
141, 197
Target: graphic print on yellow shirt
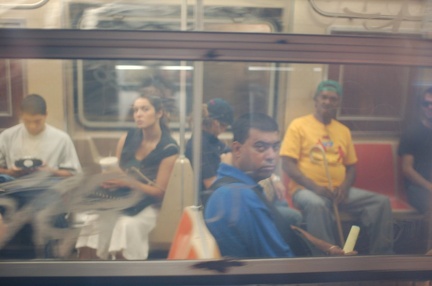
334, 154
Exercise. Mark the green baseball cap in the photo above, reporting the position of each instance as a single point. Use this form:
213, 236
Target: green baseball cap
329, 85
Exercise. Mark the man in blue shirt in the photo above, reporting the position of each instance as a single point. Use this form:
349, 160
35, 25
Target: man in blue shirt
236, 213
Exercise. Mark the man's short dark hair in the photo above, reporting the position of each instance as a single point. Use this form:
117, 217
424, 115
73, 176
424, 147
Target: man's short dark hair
259, 121
33, 104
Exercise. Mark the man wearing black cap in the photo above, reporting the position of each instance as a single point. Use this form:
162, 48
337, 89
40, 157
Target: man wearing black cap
319, 157
217, 115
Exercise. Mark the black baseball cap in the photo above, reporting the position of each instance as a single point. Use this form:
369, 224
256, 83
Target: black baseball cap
220, 110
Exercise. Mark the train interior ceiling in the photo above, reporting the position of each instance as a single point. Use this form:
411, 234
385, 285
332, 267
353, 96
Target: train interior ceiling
91, 98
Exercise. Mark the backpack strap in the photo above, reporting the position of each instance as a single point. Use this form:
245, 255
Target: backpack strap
205, 195
277, 218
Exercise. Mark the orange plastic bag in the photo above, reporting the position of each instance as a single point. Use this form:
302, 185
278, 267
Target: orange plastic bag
192, 239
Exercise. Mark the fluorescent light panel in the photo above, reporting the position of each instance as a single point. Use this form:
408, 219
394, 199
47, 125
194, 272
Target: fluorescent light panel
137, 67
177, 68
130, 67
257, 68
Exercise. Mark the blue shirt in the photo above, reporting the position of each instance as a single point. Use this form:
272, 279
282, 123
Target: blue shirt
240, 222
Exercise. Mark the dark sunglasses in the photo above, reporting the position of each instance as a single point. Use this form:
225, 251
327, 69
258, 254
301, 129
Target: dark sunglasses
426, 103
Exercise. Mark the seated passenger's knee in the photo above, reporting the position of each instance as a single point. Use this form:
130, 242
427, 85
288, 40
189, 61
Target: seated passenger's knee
383, 200
126, 222
312, 202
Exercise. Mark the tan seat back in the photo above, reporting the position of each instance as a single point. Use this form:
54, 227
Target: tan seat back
178, 195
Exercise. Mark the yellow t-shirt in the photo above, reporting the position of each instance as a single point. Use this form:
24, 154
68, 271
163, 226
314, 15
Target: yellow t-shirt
307, 133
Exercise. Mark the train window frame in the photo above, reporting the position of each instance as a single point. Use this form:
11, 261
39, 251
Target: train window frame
235, 11
270, 69
221, 272
14, 74
64, 44
225, 24
7, 112
371, 124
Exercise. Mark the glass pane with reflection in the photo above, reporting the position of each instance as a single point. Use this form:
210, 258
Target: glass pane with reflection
63, 201
385, 18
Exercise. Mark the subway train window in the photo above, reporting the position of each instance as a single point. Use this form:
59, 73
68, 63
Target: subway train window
167, 15
236, 142
241, 16
275, 16
97, 105
107, 89
12, 88
361, 109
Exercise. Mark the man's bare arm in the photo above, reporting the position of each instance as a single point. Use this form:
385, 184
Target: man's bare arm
342, 191
61, 173
289, 166
5, 171
322, 245
15, 172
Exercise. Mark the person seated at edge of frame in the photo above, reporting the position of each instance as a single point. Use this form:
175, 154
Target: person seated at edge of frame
217, 115
243, 222
415, 149
33, 146
150, 149
51, 148
319, 156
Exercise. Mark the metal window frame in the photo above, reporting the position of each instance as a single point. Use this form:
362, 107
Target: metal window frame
8, 112
259, 271
213, 46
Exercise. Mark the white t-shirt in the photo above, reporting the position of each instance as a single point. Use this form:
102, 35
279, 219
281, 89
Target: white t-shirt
53, 146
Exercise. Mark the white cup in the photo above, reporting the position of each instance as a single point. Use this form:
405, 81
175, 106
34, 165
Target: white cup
109, 164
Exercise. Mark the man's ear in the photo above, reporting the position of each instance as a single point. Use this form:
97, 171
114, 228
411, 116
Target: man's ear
236, 146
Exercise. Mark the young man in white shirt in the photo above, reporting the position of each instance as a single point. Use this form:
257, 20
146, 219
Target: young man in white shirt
34, 138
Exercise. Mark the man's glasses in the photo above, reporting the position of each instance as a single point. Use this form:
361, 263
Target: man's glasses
426, 103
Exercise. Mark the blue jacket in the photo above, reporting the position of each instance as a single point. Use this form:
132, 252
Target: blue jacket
240, 222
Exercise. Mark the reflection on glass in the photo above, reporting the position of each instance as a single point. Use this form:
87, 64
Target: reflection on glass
11, 89
108, 88
300, 16
98, 95
114, 16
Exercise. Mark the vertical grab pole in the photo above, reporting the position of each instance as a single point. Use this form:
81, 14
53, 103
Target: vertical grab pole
197, 125
182, 96
197, 106
182, 103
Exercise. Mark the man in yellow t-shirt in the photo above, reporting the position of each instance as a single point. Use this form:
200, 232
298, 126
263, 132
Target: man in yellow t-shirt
317, 147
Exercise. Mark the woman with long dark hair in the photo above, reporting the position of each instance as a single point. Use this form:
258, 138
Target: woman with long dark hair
150, 152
